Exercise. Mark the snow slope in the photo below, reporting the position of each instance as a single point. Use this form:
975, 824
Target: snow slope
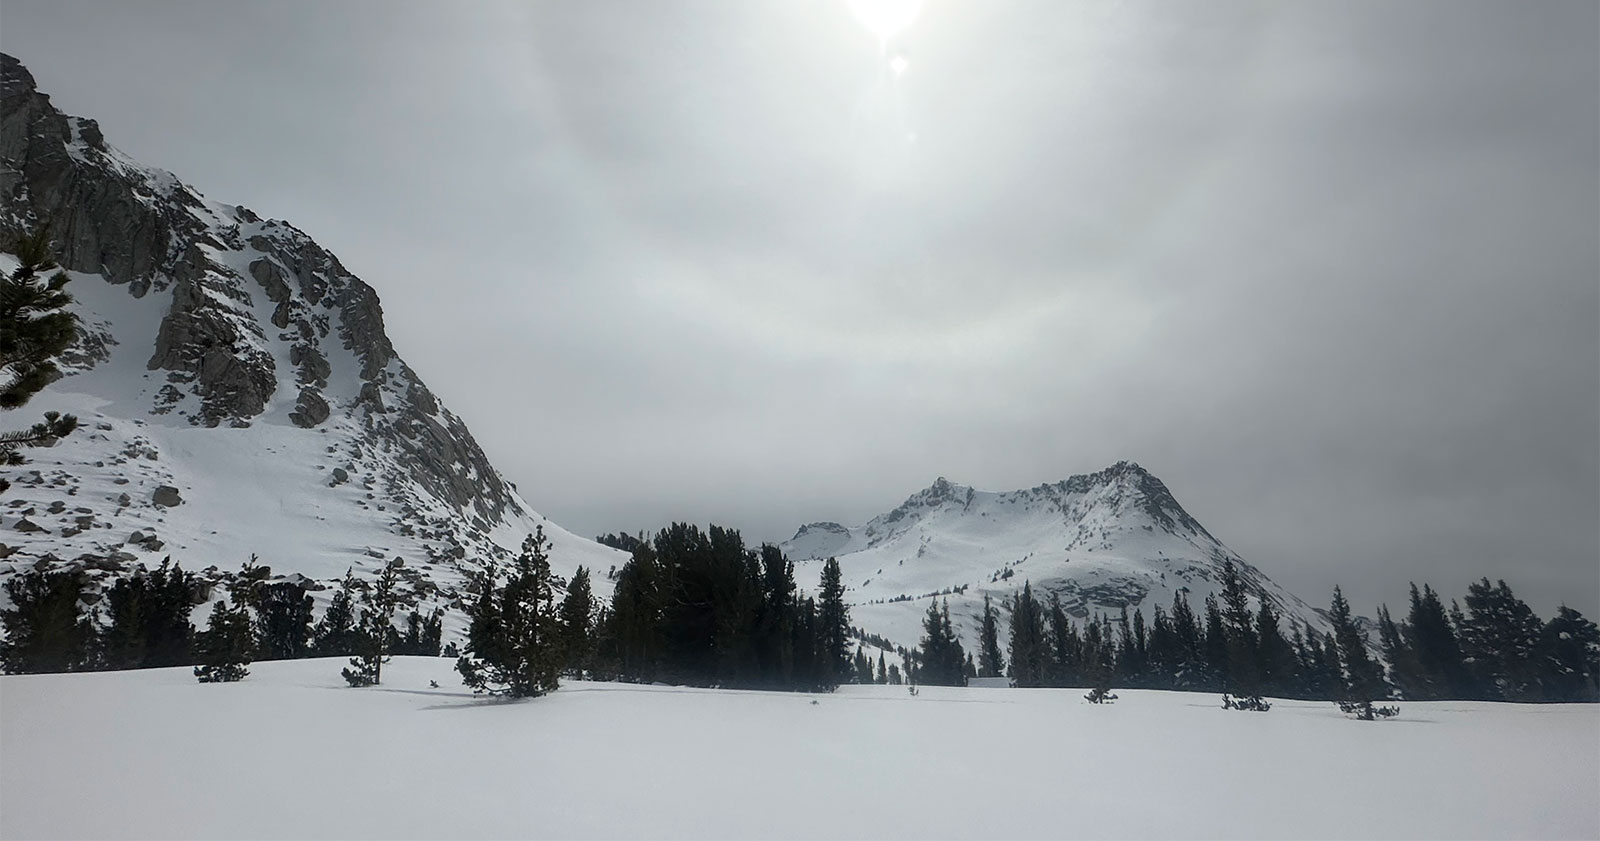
290, 752
1100, 540
238, 392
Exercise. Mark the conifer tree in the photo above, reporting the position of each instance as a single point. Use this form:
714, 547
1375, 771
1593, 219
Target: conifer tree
1403, 670
1241, 673
1162, 653
335, 633
147, 617
124, 640
226, 646
1137, 652
1500, 638
1438, 669
1216, 646
1189, 670
1363, 677
375, 628
577, 617
883, 674
636, 614
423, 634
45, 631
35, 328
1062, 665
1099, 662
990, 663
942, 662
170, 638
1092, 667
1569, 648
833, 623
775, 623
514, 646
1028, 645
1275, 657
283, 620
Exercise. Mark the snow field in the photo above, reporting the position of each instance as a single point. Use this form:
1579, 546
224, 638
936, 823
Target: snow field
292, 752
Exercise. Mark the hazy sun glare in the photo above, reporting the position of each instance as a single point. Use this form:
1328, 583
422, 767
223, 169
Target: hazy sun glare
886, 18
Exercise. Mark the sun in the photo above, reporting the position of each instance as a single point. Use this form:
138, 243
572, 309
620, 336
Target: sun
885, 18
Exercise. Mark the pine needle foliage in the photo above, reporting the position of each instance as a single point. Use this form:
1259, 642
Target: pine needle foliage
514, 635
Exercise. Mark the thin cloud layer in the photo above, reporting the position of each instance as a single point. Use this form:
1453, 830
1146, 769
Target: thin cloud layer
1330, 270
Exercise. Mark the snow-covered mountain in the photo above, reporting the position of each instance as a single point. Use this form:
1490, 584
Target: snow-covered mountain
1100, 540
237, 389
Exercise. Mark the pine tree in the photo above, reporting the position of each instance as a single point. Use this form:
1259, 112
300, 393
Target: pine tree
147, 617
1190, 670
1137, 652
35, 328
1098, 661
1363, 677
834, 623
1569, 647
1438, 669
636, 610
1216, 646
941, 660
226, 646
1241, 670
1403, 668
375, 629
283, 620
990, 663
883, 674
514, 639
1162, 654
123, 642
1275, 658
335, 633
1500, 638
1028, 645
423, 634
45, 631
577, 616
1062, 666
776, 619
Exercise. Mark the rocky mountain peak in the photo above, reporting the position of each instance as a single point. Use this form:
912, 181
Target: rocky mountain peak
826, 527
208, 316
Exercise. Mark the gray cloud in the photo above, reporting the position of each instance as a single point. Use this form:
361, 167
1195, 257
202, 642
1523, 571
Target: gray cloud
1331, 270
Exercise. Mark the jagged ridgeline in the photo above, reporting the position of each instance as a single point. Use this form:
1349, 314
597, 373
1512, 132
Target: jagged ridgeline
238, 391
1100, 541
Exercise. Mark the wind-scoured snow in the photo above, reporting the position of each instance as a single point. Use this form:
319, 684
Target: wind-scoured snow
291, 752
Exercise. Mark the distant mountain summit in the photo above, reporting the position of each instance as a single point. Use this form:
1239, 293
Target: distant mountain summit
238, 390
1099, 540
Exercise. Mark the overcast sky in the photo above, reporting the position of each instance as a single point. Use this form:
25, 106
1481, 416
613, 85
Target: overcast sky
1331, 270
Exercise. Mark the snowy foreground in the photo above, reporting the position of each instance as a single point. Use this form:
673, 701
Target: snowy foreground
291, 752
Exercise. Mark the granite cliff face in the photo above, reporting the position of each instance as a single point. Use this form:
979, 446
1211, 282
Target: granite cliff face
204, 323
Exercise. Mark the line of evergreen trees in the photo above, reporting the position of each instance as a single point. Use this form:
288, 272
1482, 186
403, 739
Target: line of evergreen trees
1494, 649
142, 621
698, 608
